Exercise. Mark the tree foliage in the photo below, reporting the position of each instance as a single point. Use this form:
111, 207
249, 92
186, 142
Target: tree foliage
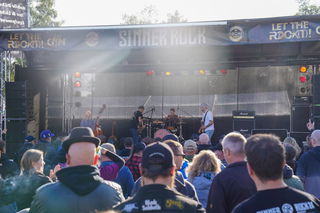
43, 14
150, 15
306, 8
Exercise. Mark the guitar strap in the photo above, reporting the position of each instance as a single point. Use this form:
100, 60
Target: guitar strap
204, 118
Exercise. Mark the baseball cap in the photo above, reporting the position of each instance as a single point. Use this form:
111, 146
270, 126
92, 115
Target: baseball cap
190, 145
157, 156
46, 134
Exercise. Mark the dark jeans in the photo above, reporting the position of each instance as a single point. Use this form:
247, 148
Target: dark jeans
135, 135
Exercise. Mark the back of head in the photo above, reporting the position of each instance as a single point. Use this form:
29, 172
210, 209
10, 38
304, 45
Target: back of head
82, 153
29, 157
292, 142
204, 139
205, 161
266, 156
291, 154
157, 161
175, 146
315, 138
235, 143
128, 142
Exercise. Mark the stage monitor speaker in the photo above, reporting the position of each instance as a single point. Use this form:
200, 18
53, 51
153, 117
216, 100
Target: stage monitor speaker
281, 133
243, 121
300, 115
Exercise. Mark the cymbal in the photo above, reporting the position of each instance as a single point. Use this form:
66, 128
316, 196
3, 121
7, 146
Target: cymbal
157, 122
181, 122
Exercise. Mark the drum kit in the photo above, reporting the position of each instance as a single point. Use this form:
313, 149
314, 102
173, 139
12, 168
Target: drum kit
159, 128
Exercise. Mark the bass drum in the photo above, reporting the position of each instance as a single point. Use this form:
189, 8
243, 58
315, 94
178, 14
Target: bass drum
160, 133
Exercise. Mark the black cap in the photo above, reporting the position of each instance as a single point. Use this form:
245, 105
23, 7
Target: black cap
80, 134
157, 156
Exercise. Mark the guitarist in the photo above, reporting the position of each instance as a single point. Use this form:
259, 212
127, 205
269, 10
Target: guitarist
207, 125
136, 124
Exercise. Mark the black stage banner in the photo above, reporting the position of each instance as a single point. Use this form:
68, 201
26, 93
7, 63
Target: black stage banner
13, 14
242, 32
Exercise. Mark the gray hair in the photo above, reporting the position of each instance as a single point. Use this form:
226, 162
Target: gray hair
235, 142
315, 135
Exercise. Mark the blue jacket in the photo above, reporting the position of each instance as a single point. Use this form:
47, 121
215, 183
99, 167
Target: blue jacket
308, 169
124, 178
202, 185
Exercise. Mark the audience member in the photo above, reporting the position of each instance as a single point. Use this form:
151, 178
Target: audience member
124, 177
156, 194
293, 142
308, 166
8, 168
29, 142
135, 159
181, 185
233, 184
49, 152
204, 143
218, 150
127, 142
21, 189
109, 171
201, 172
79, 184
190, 149
266, 159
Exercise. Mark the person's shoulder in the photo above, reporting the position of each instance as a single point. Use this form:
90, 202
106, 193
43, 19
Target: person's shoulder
242, 207
130, 205
302, 194
111, 185
47, 189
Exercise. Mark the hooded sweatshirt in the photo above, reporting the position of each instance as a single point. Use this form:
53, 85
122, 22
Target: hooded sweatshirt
309, 172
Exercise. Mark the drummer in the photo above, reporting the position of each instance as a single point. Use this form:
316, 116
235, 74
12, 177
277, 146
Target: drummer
172, 119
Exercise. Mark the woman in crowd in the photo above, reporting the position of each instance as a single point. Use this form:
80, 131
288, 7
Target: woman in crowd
203, 169
22, 188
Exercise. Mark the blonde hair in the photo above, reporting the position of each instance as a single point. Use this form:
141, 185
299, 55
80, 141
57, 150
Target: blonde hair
205, 161
29, 157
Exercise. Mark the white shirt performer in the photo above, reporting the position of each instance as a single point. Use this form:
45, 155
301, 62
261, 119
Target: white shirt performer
207, 125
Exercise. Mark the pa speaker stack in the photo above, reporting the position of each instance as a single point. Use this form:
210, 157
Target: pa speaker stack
300, 113
243, 121
316, 100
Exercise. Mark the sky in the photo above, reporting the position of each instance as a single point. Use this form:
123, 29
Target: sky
106, 12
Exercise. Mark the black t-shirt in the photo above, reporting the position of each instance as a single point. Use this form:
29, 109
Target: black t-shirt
283, 200
135, 119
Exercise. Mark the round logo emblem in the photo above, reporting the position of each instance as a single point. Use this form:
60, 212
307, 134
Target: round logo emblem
236, 34
287, 208
92, 39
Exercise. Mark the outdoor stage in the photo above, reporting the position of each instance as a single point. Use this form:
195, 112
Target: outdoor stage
251, 65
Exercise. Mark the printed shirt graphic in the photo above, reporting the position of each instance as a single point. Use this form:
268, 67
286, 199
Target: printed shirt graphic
284, 200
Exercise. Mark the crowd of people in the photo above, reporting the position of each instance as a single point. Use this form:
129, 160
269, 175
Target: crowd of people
81, 173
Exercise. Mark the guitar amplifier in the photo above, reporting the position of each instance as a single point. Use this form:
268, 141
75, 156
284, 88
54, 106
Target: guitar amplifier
243, 121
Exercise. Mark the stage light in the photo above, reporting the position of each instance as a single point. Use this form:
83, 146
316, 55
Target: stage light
202, 72
77, 84
223, 71
150, 73
167, 73
303, 79
303, 69
77, 75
